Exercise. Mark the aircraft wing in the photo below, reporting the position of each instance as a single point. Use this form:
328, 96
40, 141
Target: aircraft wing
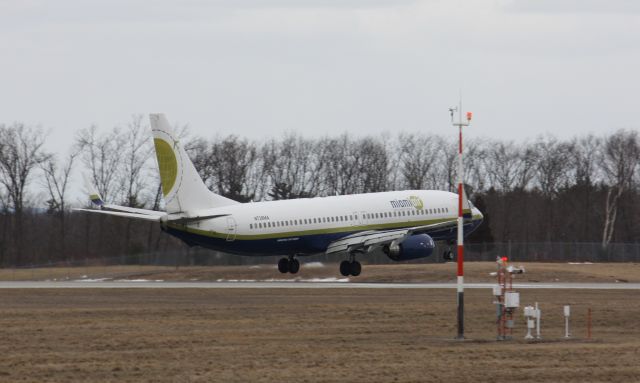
366, 239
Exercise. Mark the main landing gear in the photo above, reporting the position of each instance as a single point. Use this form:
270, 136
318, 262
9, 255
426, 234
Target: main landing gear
288, 265
350, 267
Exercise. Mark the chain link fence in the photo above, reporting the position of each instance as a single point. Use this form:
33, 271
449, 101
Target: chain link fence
474, 252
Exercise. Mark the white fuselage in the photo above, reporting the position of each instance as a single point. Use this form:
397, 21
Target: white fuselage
306, 225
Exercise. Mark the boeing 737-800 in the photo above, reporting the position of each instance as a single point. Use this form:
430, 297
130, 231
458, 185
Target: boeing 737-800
404, 224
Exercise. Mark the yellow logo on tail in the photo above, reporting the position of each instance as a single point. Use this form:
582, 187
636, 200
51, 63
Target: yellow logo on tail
167, 164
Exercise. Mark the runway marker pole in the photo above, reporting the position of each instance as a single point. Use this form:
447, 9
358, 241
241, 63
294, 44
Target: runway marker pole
460, 242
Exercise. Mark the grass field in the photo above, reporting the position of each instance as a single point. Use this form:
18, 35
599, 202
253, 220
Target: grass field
303, 335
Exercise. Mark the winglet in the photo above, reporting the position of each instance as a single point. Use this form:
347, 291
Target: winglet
94, 195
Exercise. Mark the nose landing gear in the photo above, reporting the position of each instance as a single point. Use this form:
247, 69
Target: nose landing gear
448, 254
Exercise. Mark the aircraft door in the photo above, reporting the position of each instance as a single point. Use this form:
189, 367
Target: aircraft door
361, 218
356, 218
231, 229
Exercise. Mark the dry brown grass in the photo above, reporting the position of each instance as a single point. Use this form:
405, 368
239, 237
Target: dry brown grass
474, 272
303, 335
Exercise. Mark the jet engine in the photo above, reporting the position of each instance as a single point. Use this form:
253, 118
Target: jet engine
413, 247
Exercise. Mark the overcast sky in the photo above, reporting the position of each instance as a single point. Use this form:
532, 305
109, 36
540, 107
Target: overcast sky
258, 68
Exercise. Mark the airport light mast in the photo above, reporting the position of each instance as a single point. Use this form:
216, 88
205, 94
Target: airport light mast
460, 242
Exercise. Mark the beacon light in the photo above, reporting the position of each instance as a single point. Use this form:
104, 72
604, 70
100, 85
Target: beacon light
469, 115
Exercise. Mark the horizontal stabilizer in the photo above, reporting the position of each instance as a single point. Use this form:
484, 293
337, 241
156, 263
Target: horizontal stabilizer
125, 209
146, 217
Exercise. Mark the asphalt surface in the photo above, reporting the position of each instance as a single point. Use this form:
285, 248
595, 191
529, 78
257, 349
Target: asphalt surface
80, 284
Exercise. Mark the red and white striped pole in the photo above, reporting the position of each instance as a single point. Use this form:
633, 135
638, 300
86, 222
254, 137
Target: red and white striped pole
460, 242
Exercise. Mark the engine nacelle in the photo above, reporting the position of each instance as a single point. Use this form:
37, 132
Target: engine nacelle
413, 247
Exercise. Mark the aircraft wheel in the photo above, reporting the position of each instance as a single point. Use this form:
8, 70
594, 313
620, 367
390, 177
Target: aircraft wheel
356, 268
345, 268
283, 265
448, 255
294, 265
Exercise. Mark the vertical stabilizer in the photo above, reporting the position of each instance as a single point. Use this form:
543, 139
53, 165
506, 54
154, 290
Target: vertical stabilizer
182, 187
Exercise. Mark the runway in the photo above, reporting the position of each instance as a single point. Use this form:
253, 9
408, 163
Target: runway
295, 285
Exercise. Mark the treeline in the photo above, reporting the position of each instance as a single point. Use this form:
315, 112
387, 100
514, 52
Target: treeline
585, 189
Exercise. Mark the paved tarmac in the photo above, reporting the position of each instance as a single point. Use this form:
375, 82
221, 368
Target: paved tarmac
295, 285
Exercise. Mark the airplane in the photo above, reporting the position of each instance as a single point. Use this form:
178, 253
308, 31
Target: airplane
404, 224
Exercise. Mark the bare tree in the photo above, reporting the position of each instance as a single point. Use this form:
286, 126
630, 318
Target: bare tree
374, 165
56, 180
136, 154
292, 166
418, 160
229, 161
475, 172
584, 158
341, 165
552, 165
509, 166
101, 155
22, 151
620, 156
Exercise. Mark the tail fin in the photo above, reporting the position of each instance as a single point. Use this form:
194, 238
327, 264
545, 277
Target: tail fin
182, 186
